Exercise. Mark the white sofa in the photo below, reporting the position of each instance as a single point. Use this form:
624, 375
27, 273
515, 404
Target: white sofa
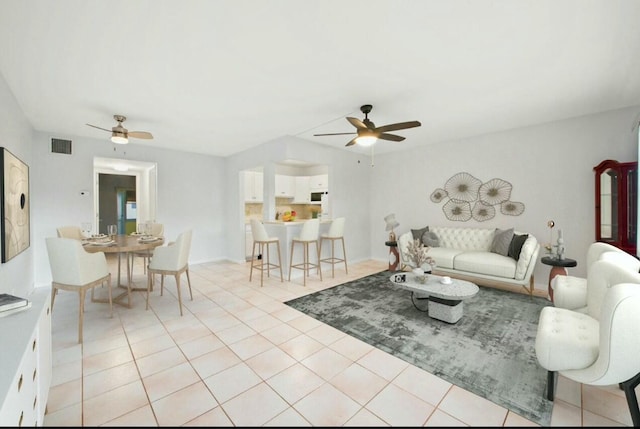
465, 253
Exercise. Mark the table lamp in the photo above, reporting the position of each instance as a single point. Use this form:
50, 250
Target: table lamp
391, 221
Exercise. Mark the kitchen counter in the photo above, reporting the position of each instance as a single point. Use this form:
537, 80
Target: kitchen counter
294, 222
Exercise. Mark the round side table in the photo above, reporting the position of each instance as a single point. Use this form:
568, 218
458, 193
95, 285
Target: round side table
558, 268
394, 257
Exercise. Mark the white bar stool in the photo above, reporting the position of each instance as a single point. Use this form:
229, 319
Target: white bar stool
308, 235
260, 239
336, 232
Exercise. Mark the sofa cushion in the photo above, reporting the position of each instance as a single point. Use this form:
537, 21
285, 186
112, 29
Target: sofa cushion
430, 239
444, 256
516, 245
417, 233
486, 263
501, 241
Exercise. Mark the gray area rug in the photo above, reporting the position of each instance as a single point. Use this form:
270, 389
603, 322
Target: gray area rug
489, 352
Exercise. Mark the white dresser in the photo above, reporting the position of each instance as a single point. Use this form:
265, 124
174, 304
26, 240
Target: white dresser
26, 362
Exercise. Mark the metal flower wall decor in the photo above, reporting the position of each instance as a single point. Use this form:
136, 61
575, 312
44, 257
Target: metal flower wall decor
467, 197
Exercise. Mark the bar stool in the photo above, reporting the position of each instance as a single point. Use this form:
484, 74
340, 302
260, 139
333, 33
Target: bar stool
260, 239
336, 232
308, 235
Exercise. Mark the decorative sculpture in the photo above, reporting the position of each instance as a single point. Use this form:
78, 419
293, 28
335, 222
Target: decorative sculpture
467, 198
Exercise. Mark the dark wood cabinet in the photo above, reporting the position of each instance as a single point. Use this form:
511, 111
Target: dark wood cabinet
617, 204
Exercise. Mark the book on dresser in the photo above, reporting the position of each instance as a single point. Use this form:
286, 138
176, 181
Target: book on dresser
10, 302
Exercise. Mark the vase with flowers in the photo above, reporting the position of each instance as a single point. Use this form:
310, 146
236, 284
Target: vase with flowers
417, 252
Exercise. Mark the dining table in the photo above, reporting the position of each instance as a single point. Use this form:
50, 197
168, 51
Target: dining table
122, 245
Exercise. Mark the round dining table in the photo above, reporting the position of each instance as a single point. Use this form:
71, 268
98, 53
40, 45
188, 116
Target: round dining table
123, 245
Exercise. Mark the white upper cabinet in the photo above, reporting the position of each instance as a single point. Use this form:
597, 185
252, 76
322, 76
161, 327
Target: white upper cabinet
319, 183
285, 186
302, 193
253, 192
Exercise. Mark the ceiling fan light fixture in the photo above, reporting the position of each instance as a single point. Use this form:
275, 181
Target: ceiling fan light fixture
366, 141
119, 138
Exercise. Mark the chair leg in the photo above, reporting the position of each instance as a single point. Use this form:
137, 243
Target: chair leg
189, 283
291, 259
632, 401
318, 255
279, 261
551, 384
81, 294
149, 280
178, 288
110, 295
344, 255
253, 258
262, 263
161, 284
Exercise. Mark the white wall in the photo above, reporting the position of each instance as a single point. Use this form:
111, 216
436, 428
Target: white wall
550, 167
16, 275
191, 194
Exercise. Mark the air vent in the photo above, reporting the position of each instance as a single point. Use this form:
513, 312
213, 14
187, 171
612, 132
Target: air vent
61, 146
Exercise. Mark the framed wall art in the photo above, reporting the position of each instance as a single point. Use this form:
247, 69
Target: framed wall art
14, 204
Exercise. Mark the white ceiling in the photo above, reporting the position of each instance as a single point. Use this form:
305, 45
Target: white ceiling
222, 76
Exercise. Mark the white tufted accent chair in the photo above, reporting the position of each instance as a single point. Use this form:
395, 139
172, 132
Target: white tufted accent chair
570, 292
601, 346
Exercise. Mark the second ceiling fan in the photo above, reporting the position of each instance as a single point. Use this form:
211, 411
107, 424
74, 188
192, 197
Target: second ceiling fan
368, 133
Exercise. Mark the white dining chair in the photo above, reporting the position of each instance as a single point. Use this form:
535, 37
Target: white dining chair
74, 269
154, 230
173, 260
70, 232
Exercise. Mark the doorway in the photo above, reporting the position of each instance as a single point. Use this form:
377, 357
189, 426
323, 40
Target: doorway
124, 193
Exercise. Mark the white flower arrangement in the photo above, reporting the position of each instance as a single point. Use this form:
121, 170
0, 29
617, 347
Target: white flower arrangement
417, 252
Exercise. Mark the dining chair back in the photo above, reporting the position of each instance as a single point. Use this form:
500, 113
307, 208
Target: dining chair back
74, 269
154, 230
172, 259
70, 232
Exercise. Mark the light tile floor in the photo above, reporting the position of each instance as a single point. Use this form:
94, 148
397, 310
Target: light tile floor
240, 357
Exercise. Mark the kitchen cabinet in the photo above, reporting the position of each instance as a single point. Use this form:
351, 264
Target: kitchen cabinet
253, 183
616, 203
302, 192
285, 186
319, 183
26, 362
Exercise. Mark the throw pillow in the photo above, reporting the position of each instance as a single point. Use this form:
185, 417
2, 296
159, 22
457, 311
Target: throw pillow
430, 239
417, 233
516, 245
501, 241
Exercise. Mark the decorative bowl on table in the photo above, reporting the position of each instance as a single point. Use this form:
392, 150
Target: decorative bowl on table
419, 275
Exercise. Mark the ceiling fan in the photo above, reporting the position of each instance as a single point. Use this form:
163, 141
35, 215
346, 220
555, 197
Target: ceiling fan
120, 134
368, 133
